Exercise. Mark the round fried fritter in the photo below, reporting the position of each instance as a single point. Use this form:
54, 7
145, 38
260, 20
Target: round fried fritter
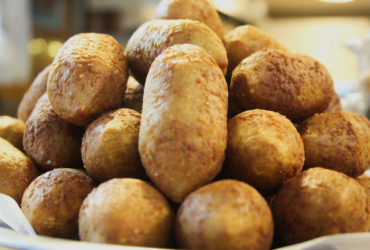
153, 37
334, 104
245, 40
183, 131
50, 141
17, 171
264, 149
88, 78
337, 141
320, 202
110, 146
126, 212
11, 129
296, 86
226, 214
34, 92
52, 202
134, 95
197, 10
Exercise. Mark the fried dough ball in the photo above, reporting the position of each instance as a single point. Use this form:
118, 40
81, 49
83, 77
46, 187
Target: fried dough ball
34, 92
334, 104
17, 171
110, 146
134, 95
11, 129
50, 141
197, 10
153, 37
52, 202
337, 141
88, 78
245, 40
226, 214
183, 131
264, 149
126, 212
320, 202
298, 86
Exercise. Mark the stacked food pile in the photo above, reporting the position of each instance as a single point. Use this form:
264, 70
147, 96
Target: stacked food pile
181, 174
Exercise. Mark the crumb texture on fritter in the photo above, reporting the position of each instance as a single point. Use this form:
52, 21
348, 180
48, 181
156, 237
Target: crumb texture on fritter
88, 78
17, 171
226, 214
183, 127
197, 10
337, 141
110, 146
52, 202
154, 37
264, 149
319, 202
296, 86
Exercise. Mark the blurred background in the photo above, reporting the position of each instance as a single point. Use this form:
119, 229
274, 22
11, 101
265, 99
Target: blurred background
336, 32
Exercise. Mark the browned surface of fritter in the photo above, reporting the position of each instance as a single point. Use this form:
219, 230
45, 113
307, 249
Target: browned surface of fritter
334, 104
245, 40
337, 141
88, 78
110, 146
126, 212
11, 129
320, 202
364, 181
183, 130
134, 95
296, 86
227, 214
153, 37
34, 92
264, 149
17, 171
197, 10
50, 141
52, 202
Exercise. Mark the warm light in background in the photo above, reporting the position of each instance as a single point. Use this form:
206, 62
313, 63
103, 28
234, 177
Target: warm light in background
36, 46
336, 1
226, 6
53, 48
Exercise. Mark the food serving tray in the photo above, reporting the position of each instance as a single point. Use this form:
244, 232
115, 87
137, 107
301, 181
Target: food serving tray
10, 239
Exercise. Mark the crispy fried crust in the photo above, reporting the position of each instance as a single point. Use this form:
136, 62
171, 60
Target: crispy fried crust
11, 129
245, 40
153, 37
34, 92
134, 95
364, 181
334, 104
50, 141
337, 141
227, 214
17, 171
88, 78
197, 10
296, 86
320, 202
110, 146
183, 127
264, 149
52, 202
127, 212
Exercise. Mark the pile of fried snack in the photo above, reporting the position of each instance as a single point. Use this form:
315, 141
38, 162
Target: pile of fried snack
221, 142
